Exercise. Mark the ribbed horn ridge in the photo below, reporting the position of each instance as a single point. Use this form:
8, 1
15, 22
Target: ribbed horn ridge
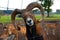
34, 5
16, 11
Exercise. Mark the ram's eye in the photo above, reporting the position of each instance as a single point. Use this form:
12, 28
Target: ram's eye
29, 21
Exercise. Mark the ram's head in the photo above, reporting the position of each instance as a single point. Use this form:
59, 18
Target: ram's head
27, 13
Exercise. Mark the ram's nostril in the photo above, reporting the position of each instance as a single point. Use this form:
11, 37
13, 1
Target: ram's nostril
29, 21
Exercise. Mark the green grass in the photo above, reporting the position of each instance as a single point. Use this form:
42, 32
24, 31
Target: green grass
5, 19
54, 17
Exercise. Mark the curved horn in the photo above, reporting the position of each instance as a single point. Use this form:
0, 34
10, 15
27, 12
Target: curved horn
33, 5
16, 11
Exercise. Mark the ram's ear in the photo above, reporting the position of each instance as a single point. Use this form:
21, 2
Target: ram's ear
39, 21
34, 5
15, 12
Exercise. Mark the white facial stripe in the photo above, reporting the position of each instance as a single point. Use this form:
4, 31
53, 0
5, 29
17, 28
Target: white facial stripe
29, 21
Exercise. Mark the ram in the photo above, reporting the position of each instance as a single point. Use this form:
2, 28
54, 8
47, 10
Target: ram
34, 31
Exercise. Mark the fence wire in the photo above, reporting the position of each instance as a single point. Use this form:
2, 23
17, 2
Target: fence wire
6, 8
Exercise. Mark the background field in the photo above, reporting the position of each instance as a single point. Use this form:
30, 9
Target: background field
7, 18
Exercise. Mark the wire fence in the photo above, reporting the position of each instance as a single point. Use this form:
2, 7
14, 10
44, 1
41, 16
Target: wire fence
20, 3
6, 8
